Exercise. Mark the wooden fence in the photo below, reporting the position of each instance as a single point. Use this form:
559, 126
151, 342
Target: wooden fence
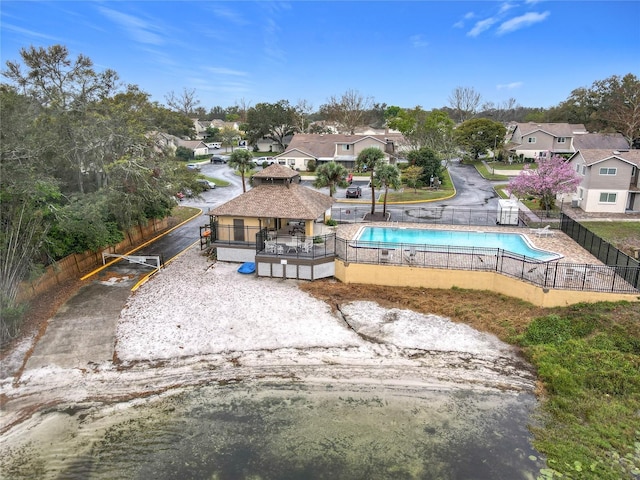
77, 264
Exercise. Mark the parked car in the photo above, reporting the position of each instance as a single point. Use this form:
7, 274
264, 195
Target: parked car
193, 166
207, 184
219, 159
354, 192
261, 160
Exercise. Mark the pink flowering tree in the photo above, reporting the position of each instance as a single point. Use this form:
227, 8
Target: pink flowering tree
553, 176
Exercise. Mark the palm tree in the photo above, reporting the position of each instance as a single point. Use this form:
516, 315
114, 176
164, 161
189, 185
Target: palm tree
370, 158
242, 161
330, 175
388, 176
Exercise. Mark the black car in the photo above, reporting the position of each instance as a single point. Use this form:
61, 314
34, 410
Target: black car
354, 192
218, 159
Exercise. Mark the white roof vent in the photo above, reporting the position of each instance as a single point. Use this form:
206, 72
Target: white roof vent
616, 152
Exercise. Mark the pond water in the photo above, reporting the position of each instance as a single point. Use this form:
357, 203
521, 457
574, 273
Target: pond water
259, 430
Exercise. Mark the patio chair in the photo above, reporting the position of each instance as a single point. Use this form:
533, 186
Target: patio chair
386, 255
280, 249
307, 246
411, 255
270, 246
543, 232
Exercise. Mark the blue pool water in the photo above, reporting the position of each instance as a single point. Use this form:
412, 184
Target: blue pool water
511, 242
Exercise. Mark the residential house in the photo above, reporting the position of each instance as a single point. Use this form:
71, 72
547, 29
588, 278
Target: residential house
610, 180
532, 140
343, 149
198, 147
270, 213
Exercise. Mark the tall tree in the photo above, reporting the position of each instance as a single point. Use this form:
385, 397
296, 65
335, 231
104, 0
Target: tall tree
553, 176
348, 111
302, 113
388, 176
432, 129
429, 163
68, 90
186, 102
276, 121
465, 102
479, 135
370, 159
242, 161
619, 105
331, 174
412, 176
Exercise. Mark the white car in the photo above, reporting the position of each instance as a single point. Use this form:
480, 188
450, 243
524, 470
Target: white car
261, 160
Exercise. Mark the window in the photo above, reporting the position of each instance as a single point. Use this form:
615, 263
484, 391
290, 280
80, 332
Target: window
580, 193
584, 170
577, 168
608, 197
562, 140
346, 146
531, 139
608, 171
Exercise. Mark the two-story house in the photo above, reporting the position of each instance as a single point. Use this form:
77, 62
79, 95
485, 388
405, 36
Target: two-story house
533, 140
343, 149
610, 180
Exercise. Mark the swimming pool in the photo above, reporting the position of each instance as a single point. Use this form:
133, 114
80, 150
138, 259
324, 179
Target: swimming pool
441, 240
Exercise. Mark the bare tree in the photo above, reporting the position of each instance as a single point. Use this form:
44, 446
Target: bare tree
464, 101
242, 107
303, 109
349, 111
185, 103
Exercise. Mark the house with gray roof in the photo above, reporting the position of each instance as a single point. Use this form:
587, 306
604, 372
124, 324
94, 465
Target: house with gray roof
277, 212
610, 180
533, 140
339, 148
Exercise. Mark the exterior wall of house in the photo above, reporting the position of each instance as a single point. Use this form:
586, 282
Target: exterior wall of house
367, 143
620, 180
296, 160
616, 200
406, 276
225, 232
543, 142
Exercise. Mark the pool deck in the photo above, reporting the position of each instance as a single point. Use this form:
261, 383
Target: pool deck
558, 242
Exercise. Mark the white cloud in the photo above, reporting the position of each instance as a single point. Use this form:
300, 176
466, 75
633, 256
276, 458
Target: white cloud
481, 26
509, 86
225, 71
138, 29
505, 7
522, 21
418, 41
29, 33
467, 16
229, 15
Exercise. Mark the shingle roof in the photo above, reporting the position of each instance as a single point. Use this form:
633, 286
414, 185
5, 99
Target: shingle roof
277, 171
555, 129
277, 201
324, 146
593, 156
603, 141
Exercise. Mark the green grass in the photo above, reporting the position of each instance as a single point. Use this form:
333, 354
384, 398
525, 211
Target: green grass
183, 213
623, 235
486, 173
588, 359
422, 194
217, 181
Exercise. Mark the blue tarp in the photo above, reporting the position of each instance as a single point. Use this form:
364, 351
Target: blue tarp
247, 267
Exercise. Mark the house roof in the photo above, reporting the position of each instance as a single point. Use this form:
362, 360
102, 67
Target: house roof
593, 156
604, 141
277, 171
324, 146
555, 129
192, 144
277, 201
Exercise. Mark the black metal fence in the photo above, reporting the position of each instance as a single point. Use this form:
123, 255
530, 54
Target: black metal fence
567, 276
601, 249
432, 215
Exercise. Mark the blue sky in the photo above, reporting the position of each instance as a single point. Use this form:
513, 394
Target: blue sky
399, 53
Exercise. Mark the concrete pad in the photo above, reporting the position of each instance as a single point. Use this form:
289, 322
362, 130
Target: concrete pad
83, 330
